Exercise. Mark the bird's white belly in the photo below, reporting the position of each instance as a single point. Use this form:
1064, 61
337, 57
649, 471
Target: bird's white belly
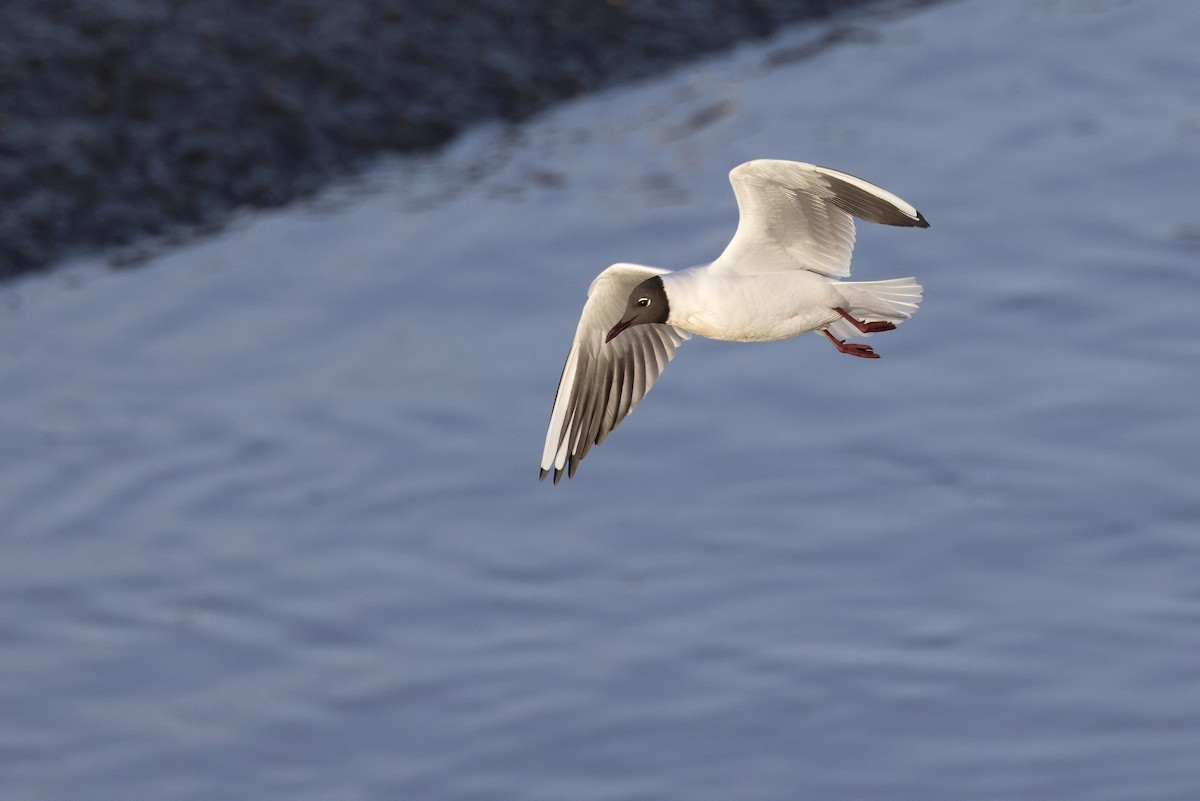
759, 308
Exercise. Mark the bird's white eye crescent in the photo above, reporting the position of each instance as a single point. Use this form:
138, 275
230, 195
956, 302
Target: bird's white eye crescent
643, 301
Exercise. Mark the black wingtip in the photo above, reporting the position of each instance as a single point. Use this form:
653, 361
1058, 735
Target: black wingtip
542, 473
921, 221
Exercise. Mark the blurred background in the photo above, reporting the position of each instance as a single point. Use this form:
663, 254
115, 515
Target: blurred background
127, 119
270, 518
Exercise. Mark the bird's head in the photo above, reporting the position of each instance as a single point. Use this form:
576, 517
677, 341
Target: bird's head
647, 304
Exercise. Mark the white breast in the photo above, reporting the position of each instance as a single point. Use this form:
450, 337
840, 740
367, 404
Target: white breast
755, 308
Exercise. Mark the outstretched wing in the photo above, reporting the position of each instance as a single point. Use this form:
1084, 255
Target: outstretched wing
797, 216
602, 382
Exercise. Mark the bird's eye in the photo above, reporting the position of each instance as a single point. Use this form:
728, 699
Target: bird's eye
643, 301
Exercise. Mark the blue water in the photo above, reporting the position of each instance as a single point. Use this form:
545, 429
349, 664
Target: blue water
272, 528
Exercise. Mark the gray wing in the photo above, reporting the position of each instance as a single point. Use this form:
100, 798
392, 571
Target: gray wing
602, 382
797, 216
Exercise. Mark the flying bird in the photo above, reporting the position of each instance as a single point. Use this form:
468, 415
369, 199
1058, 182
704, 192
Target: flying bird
776, 279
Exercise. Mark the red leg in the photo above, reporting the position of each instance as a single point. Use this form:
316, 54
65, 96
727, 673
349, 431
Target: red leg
862, 351
866, 328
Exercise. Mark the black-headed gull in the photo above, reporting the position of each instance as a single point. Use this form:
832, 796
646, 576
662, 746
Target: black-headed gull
777, 279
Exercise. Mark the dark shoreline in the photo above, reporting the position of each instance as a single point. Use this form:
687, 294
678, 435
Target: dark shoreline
125, 120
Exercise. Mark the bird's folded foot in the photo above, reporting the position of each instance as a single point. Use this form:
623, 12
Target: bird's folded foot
854, 349
867, 328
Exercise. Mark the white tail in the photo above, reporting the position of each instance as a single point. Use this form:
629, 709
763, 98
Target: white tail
894, 300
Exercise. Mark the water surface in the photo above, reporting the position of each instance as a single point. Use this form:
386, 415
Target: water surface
272, 527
